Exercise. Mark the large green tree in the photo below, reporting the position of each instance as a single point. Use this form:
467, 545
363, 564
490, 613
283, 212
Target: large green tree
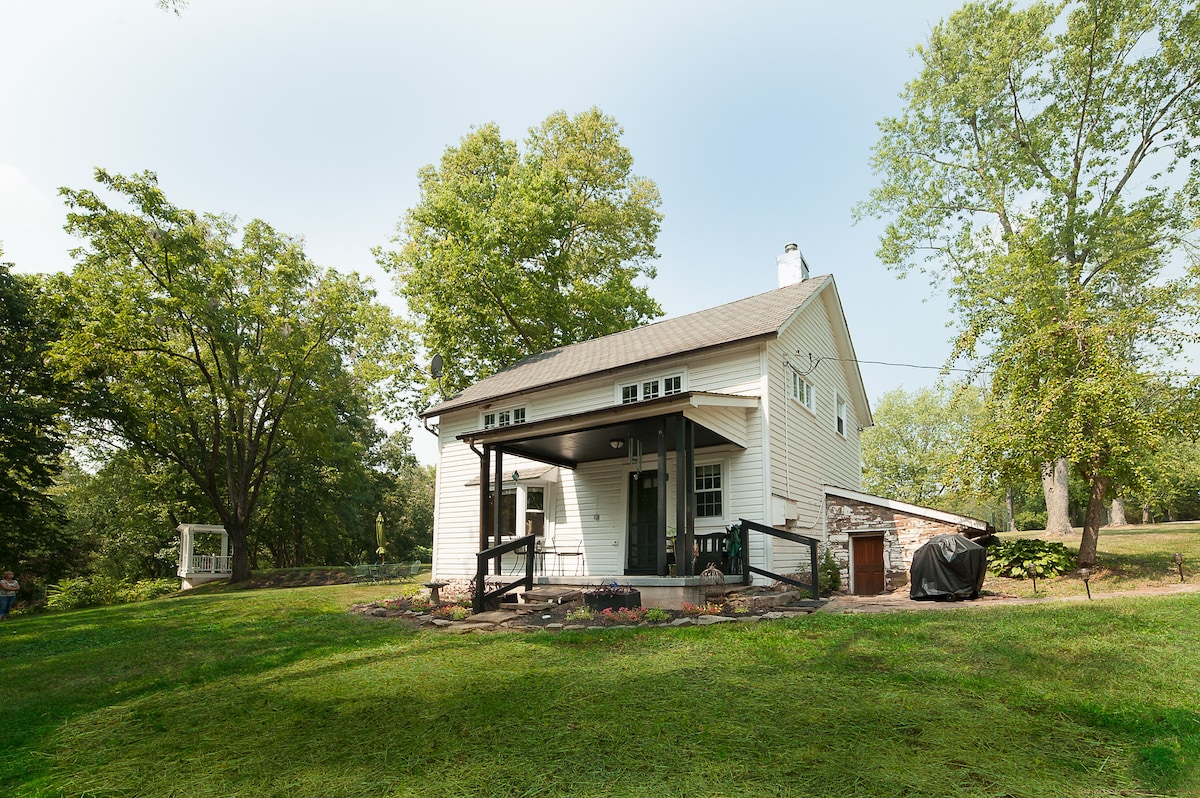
912, 452
1042, 167
31, 438
511, 252
202, 344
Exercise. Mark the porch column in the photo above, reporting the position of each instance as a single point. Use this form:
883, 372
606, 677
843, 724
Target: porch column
497, 498
680, 498
685, 495
661, 565
485, 468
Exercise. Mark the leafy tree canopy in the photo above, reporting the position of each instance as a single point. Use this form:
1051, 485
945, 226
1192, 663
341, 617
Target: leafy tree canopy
207, 346
1042, 170
31, 438
912, 452
513, 252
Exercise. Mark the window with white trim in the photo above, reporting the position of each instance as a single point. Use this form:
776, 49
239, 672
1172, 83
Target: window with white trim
650, 388
709, 492
802, 392
503, 418
841, 415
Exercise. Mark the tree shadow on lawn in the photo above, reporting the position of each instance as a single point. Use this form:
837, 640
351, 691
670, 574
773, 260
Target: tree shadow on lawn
636, 713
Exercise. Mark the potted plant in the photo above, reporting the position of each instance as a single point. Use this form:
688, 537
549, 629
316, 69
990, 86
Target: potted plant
612, 597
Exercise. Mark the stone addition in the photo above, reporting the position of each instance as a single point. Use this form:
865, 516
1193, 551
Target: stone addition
905, 528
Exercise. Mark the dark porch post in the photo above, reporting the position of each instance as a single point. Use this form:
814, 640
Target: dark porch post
680, 496
688, 487
497, 494
485, 468
662, 499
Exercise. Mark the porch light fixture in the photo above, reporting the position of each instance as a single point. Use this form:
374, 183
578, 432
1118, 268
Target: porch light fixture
1179, 564
516, 476
617, 443
1086, 574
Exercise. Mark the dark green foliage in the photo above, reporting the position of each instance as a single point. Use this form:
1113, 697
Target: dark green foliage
1022, 558
829, 573
31, 439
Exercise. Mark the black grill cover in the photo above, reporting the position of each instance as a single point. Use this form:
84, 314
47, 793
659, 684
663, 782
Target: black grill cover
948, 568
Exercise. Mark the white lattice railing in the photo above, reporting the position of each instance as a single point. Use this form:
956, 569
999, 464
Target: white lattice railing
209, 564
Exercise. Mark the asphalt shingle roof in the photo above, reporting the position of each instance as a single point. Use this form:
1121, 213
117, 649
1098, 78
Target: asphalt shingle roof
744, 319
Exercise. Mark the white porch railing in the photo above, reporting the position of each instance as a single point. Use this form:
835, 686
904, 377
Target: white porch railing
208, 564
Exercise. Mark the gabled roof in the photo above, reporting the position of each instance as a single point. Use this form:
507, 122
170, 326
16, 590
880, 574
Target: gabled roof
735, 322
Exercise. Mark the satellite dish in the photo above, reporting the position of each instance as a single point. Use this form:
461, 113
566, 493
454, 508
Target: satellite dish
435, 367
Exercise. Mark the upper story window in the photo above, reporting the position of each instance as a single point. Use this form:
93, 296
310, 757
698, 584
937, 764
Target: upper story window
841, 415
503, 418
650, 388
802, 392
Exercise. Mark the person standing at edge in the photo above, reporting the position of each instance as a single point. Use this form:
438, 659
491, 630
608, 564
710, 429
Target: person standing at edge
8, 594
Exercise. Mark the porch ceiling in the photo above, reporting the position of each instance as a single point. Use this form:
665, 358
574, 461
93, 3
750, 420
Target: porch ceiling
587, 437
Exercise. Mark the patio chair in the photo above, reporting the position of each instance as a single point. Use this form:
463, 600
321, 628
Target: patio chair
365, 573
574, 550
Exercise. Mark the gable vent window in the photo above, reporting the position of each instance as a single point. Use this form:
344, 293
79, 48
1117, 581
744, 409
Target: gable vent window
504, 418
652, 388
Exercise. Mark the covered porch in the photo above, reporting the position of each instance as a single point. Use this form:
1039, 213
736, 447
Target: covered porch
629, 494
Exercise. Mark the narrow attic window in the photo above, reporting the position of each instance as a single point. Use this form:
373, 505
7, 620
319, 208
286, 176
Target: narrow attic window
802, 392
841, 415
504, 418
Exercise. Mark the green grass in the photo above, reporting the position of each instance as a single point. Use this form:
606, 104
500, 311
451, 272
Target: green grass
283, 693
1127, 558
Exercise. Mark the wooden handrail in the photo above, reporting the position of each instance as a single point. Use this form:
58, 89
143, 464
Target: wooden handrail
804, 540
481, 596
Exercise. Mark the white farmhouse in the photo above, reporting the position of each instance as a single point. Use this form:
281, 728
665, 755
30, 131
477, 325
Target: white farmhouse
622, 455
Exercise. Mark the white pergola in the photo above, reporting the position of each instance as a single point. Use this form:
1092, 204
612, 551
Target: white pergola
196, 569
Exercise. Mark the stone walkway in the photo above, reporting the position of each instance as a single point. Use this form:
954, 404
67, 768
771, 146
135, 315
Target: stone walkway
900, 602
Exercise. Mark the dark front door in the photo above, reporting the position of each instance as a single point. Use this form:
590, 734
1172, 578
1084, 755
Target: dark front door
643, 523
868, 564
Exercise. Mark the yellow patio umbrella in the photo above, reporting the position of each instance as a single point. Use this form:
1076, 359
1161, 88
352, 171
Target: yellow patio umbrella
379, 539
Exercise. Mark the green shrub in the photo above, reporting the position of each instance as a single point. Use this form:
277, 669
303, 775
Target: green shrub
1030, 519
146, 589
581, 614
1021, 558
829, 573
98, 591
657, 615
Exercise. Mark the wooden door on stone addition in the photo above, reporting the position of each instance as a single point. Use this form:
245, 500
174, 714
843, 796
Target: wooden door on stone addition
867, 551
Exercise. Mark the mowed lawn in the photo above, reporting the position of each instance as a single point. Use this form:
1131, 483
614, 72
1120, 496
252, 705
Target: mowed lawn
284, 693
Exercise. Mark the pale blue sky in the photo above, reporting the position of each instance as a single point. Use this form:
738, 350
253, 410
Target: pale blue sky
755, 120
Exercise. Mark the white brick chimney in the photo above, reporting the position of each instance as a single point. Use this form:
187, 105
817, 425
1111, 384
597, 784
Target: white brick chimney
792, 266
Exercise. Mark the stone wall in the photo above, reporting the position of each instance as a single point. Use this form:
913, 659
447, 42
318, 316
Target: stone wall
903, 534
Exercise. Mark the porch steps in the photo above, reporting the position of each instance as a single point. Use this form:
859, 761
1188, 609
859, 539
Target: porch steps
551, 594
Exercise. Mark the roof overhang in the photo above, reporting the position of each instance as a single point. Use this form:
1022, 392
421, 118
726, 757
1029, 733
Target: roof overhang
608, 433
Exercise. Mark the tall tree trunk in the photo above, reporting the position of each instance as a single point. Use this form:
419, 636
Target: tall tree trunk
1147, 518
1008, 506
1092, 520
1118, 512
1055, 487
